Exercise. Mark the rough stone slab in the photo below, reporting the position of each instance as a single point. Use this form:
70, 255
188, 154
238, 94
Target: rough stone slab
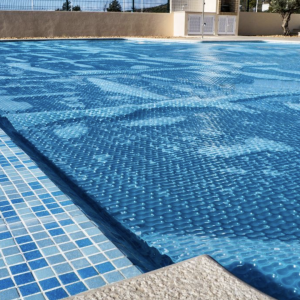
197, 278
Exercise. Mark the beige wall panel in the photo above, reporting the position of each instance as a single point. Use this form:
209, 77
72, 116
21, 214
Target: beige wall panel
264, 23
58, 24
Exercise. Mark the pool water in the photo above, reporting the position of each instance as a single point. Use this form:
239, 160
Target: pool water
192, 147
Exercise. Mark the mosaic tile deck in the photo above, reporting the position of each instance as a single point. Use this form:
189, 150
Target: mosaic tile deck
49, 249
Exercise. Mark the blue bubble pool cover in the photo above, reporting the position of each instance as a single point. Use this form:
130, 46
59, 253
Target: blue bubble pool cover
193, 147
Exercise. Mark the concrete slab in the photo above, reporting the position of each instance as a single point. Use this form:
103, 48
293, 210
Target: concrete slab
197, 278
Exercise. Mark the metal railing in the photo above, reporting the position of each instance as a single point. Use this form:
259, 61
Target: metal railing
86, 5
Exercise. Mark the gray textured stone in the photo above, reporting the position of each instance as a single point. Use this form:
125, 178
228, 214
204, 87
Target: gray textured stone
197, 278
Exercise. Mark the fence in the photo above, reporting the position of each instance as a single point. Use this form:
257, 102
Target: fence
155, 6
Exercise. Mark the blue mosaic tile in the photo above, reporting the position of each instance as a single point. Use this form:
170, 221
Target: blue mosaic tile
14, 259
24, 278
5, 235
56, 232
130, 272
29, 289
55, 259
9, 294
44, 273
80, 263
41, 236
35, 297
32, 255
105, 267
113, 276
83, 243
10, 250
122, 262
62, 268
21, 268
37, 264
95, 282
87, 272
50, 283
28, 247
68, 278
56, 294
4, 273
76, 288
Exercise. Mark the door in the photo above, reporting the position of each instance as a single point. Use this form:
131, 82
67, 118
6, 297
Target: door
195, 24
227, 25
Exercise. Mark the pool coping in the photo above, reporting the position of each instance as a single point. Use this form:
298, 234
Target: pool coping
195, 39
196, 278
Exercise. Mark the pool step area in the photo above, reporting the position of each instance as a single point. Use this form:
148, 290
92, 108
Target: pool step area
49, 249
197, 278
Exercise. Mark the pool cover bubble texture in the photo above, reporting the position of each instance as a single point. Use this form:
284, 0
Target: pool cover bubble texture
194, 147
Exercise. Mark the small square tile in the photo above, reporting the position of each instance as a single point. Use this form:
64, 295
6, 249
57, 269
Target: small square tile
35, 297
38, 264
55, 232
42, 213
89, 250
44, 273
29, 289
24, 278
99, 238
113, 276
57, 294
105, 267
86, 225
49, 283
92, 231
17, 269
56, 259
87, 272
98, 258
130, 272
4, 273
32, 255
95, 282
9, 294
28, 247
68, 278
45, 243
80, 263
66, 222
14, 259
35, 228
71, 228
106, 246
62, 268
40, 235
77, 235
10, 251
61, 239
50, 251
122, 262
73, 254
67, 246
83, 242
76, 288
51, 225
114, 254
6, 283
19, 232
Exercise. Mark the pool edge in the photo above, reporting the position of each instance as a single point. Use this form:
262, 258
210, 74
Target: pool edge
200, 277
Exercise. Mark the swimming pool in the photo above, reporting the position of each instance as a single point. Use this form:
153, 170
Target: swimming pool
193, 148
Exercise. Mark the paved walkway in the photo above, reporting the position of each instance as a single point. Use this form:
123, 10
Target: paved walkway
49, 249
